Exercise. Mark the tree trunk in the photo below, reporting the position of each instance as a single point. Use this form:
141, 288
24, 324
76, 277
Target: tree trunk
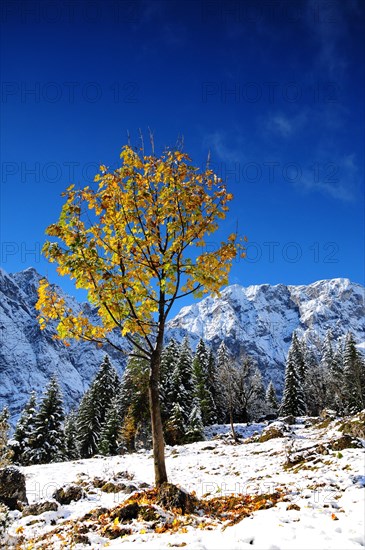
156, 421
234, 435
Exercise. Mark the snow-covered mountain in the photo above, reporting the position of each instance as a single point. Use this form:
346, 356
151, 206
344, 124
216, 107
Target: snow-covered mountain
29, 356
257, 320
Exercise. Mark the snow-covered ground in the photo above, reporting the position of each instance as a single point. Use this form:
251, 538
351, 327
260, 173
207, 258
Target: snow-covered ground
327, 489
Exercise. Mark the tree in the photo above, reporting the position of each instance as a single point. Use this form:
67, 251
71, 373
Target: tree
127, 244
195, 428
250, 394
215, 390
293, 397
23, 430
104, 387
228, 381
94, 406
354, 375
182, 390
5, 451
271, 399
47, 441
336, 383
316, 377
202, 389
169, 359
110, 433
175, 429
133, 400
71, 437
88, 425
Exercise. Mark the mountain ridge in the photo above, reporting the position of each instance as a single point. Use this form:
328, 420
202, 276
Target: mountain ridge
257, 320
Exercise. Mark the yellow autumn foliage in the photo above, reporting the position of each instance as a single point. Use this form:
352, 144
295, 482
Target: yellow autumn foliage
134, 244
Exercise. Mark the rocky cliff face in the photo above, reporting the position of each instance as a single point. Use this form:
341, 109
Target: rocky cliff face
28, 356
258, 320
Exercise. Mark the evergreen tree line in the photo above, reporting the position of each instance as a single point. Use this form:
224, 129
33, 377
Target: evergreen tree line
197, 389
333, 379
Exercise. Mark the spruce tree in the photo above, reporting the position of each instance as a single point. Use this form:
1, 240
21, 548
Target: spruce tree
134, 400
315, 379
169, 359
93, 408
195, 428
202, 390
110, 433
175, 428
71, 437
5, 451
182, 380
271, 399
354, 375
47, 441
23, 430
293, 397
104, 387
88, 425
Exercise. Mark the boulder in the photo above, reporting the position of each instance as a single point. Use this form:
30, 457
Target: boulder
272, 432
328, 413
113, 487
345, 442
171, 497
12, 488
354, 425
40, 507
126, 513
68, 493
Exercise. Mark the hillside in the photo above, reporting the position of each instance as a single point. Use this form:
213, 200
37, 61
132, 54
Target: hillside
301, 490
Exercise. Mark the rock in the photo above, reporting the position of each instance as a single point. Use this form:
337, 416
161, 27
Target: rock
112, 531
345, 442
12, 488
126, 513
68, 493
328, 413
148, 513
130, 489
354, 426
40, 507
293, 507
271, 432
98, 482
170, 497
113, 487
95, 513
79, 538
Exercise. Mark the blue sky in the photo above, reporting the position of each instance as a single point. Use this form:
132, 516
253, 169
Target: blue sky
275, 90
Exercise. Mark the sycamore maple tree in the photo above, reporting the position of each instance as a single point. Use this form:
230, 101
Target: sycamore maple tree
136, 244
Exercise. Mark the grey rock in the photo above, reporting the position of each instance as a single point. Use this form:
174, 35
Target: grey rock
68, 493
12, 488
38, 508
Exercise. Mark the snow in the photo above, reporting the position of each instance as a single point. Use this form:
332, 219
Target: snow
328, 489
